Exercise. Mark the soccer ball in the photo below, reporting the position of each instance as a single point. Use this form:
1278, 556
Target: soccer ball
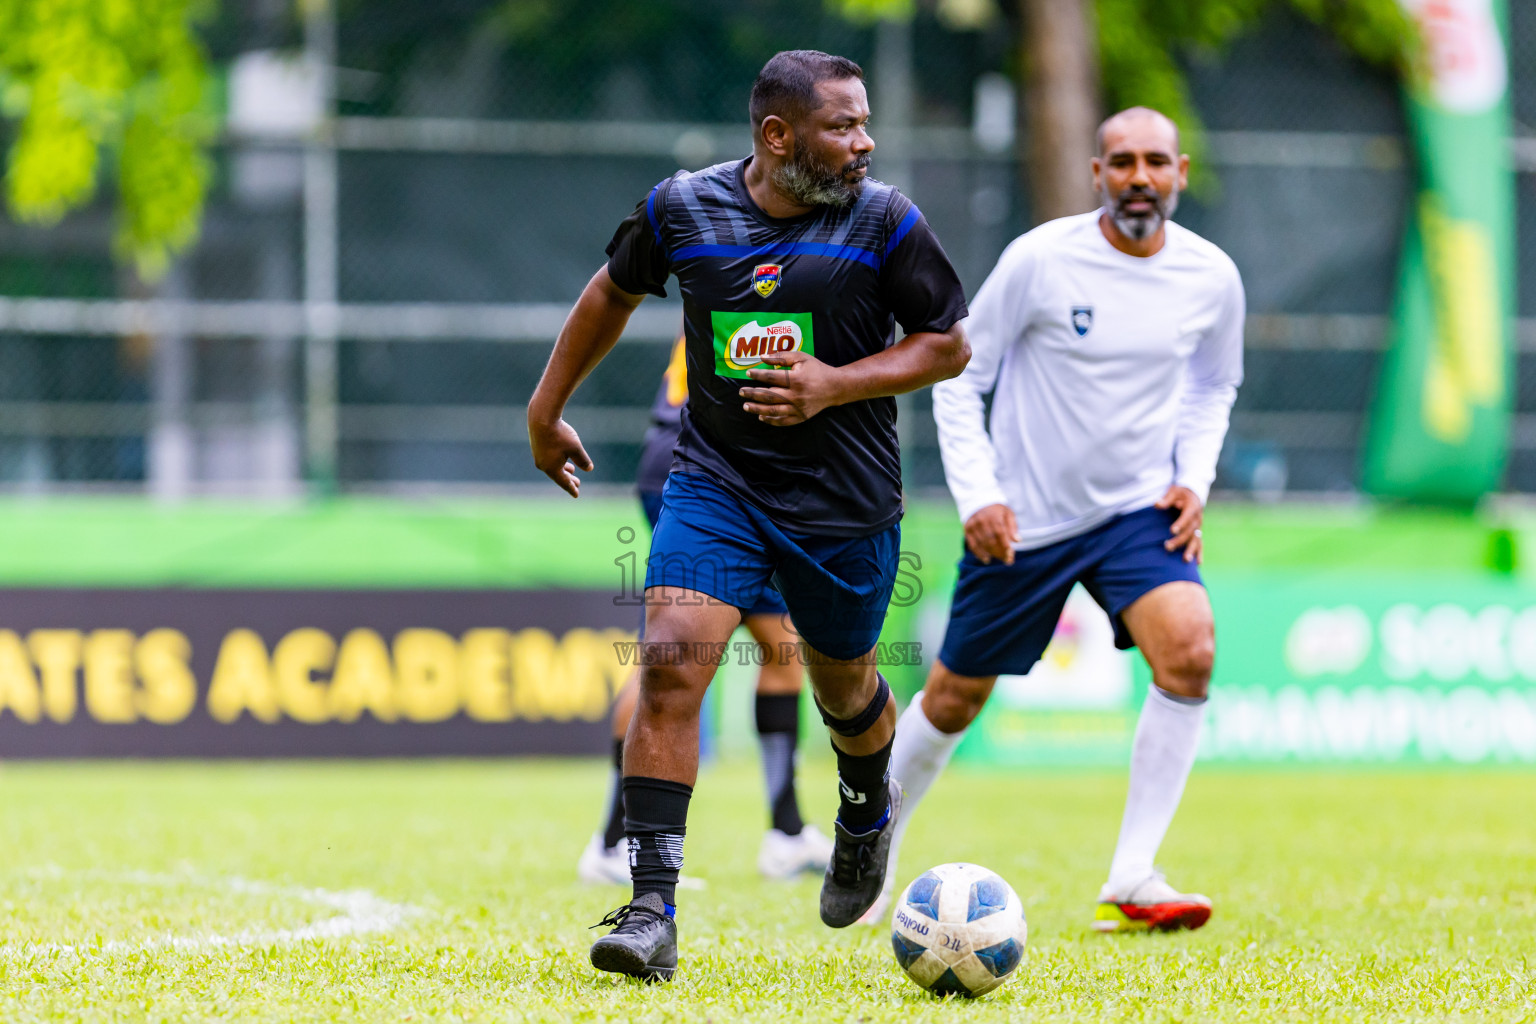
958, 928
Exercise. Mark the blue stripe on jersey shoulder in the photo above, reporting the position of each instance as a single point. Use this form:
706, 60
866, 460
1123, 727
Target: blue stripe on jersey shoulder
906, 225
650, 214
837, 252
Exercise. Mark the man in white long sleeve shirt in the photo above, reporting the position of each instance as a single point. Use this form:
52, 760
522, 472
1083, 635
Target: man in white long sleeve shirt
1112, 342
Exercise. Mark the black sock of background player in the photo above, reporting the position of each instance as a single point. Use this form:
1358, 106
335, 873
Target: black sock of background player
778, 730
862, 788
614, 833
655, 820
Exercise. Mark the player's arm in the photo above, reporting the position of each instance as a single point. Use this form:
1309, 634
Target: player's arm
589, 333
798, 386
998, 318
1215, 371
916, 361
638, 265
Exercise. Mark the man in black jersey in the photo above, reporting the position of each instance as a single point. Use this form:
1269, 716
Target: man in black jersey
791, 845
794, 270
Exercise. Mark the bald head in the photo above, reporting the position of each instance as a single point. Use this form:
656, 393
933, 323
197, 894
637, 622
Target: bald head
1141, 121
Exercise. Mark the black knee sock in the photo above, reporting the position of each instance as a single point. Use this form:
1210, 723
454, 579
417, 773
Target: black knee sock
655, 819
865, 798
861, 779
614, 832
778, 729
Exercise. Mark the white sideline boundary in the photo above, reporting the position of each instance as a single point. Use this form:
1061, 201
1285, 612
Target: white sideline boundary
360, 912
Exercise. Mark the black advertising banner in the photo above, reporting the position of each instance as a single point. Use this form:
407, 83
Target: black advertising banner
308, 673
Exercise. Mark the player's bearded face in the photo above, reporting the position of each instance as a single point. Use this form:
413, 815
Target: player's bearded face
1140, 210
809, 180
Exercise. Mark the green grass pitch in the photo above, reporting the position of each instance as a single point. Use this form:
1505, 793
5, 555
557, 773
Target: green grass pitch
445, 892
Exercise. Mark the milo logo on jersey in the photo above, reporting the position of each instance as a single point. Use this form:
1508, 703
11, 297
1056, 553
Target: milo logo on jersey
743, 339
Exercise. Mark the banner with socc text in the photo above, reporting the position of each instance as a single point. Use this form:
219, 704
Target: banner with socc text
1440, 417
1310, 668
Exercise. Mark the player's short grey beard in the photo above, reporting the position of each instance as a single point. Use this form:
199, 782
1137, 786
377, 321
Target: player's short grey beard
808, 183
1141, 228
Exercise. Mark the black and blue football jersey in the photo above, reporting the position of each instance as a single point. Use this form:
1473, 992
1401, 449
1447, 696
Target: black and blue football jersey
833, 283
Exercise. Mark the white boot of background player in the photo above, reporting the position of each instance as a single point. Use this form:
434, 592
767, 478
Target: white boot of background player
918, 756
604, 865
784, 856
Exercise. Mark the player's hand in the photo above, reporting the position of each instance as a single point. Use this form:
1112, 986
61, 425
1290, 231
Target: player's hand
991, 533
558, 453
1186, 528
802, 386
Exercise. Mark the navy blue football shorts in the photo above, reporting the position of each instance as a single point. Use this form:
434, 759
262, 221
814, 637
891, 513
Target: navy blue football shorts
1003, 616
835, 589
768, 603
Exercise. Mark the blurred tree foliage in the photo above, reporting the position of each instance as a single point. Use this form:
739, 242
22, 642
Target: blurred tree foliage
120, 81
122, 87
619, 59
1140, 42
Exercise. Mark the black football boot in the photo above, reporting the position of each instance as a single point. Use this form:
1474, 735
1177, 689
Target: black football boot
857, 871
643, 943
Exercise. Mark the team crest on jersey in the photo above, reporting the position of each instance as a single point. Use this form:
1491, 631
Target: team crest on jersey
765, 278
1082, 319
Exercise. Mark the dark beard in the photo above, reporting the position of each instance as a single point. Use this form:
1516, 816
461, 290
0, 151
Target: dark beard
806, 181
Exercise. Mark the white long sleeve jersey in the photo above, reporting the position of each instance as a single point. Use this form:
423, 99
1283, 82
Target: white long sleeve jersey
1113, 378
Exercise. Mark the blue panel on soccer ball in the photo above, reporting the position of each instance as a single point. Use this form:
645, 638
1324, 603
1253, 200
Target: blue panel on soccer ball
988, 896
949, 985
907, 951
1001, 958
924, 894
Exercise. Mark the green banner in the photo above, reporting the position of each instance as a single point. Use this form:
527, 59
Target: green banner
1439, 426
1385, 668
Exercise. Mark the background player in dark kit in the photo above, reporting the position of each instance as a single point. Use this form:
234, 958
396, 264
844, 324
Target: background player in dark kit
787, 467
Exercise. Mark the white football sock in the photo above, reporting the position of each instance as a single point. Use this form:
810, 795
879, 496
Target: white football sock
918, 755
1161, 756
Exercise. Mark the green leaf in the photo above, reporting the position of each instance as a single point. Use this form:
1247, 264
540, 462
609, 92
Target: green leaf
123, 82
865, 12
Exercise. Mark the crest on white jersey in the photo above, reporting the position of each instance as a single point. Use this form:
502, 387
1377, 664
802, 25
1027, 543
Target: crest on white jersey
1082, 319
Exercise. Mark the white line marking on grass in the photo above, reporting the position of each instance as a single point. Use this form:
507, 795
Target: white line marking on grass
360, 913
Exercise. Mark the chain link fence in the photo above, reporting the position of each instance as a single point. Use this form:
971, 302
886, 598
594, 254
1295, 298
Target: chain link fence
374, 294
